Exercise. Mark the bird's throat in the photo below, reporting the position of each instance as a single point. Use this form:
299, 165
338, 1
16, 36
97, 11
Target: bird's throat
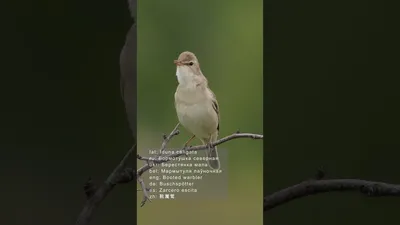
186, 77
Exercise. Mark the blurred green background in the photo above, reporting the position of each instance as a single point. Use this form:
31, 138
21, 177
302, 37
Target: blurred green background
228, 44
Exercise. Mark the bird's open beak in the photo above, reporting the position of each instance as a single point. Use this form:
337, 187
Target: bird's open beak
178, 63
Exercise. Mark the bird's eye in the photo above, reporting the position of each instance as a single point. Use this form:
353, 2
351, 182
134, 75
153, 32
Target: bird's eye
191, 63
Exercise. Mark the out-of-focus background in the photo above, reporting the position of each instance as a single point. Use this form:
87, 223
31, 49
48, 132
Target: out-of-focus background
226, 36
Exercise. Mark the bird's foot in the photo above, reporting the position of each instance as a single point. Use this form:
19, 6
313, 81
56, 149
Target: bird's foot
209, 146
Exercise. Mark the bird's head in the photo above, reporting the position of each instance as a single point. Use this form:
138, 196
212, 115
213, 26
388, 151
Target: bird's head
187, 68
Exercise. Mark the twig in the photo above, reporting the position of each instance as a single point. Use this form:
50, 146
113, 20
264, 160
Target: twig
101, 192
145, 194
125, 175
183, 151
89, 188
173, 133
312, 187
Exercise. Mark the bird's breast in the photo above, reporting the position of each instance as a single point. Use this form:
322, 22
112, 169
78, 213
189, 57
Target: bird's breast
196, 114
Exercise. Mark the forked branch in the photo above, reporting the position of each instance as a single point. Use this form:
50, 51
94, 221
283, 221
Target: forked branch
152, 161
123, 174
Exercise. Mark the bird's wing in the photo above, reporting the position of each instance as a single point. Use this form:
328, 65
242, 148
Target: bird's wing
176, 97
215, 106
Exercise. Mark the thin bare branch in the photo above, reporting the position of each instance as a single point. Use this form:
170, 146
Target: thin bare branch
173, 133
121, 174
184, 151
101, 192
312, 187
145, 194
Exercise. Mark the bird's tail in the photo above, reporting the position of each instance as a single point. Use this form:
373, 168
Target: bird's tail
212, 154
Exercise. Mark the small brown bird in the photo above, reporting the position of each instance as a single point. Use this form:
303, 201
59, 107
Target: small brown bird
196, 105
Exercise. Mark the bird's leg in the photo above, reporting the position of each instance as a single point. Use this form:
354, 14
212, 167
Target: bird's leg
209, 144
186, 144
